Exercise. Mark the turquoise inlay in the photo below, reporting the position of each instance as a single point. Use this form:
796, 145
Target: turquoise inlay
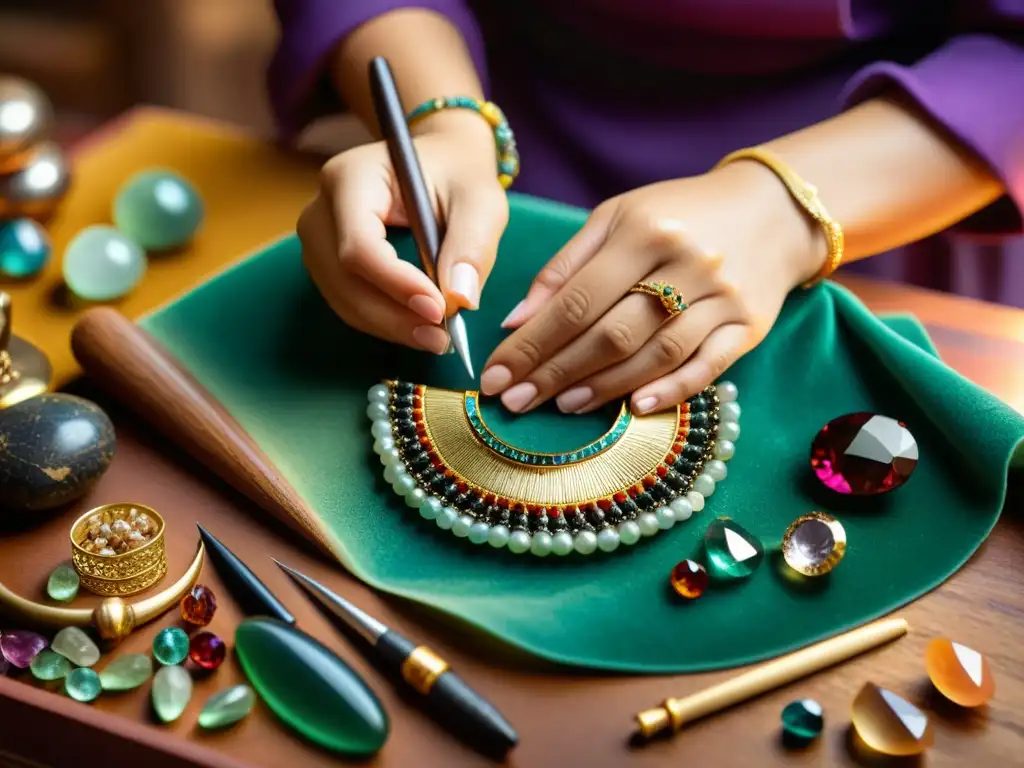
532, 458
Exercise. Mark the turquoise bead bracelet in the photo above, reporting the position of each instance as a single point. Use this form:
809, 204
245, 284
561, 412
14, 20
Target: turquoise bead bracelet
508, 155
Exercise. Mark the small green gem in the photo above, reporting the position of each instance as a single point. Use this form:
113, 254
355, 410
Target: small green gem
76, 646
227, 707
802, 720
82, 684
172, 689
63, 583
732, 551
127, 672
170, 646
48, 665
158, 209
667, 290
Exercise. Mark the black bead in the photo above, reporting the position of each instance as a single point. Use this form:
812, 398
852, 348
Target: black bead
406, 428
644, 500
477, 505
403, 401
693, 452
629, 507
659, 492
684, 466
462, 501
438, 483
559, 523
699, 419
699, 403
504, 516
450, 490
420, 462
404, 388
614, 514
678, 481
697, 436
521, 521
403, 413
595, 516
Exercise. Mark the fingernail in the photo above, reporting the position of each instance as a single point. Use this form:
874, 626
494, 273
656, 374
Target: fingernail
495, 379
427, 308
574, 399
646, 404
431, 337
520, 396
465, 282
515, 316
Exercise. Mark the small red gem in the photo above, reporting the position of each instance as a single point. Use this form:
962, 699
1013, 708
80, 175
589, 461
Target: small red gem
417, 401
489, 499
649, 481
417, 412
662, 471
437, 463
689, 579
677, 448
449, 474
684, 410
462, 487
604, 504
198, 606
421, 429
533, 508
632, 491
518, 508
207, 650
424, 441
619, 497
554, 512
502, 502
863, 454
671, 458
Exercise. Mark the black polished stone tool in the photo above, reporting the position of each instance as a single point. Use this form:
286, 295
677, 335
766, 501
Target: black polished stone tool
453, 703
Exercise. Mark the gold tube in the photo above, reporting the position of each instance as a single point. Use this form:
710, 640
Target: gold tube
675, 713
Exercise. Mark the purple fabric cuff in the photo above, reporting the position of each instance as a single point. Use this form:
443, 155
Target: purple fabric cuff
310, 29
974, 86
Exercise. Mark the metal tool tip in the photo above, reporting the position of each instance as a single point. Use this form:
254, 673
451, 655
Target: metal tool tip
460, 341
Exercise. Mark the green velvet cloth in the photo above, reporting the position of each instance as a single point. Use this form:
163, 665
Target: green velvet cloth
263, 342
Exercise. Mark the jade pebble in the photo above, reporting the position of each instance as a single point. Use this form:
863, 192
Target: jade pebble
158, 209
227, 707
170, 646
126, 672
63, 583
82, 684
48, 665
101, 264
76, 646
24, 248
172, 689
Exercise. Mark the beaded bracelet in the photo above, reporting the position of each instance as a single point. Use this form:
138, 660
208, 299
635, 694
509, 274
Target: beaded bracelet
508, 156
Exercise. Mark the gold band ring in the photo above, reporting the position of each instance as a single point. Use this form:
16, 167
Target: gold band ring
670, 298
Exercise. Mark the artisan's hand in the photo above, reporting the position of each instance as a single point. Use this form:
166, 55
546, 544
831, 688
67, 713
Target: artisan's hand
357, 270
731, 241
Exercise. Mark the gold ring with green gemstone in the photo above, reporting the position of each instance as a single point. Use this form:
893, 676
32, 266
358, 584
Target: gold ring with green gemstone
670, 298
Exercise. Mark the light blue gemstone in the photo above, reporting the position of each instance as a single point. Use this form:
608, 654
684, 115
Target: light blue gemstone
101, 264
158, 209
24, 248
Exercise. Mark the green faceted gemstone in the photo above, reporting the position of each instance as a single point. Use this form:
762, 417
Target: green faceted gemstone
227, 707
732, 551
172, 689
158, 209
170, 646
82, 684
63, 583
101, 264
24, 248
310, 688
126, 672
48, 665
76, 646
802, 720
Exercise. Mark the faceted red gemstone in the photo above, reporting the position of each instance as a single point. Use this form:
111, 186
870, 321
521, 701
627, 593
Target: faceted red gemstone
436, 463
619, 497
462, 487
604, 504
662, 471
518, 508
421, 429
533, 508
489, 499
671, 458
554, 512
198, 606
649, 481
632, 491
684, 410
207, 650
449, 474
863, 454
502, 502
417, 413
424, 441
689, 579
677, 448
417, 401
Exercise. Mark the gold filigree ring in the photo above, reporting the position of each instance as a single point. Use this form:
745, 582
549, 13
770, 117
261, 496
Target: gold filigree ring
124, 574
670, 298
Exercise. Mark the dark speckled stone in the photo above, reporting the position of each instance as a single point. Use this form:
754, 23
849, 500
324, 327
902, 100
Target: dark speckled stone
53, 448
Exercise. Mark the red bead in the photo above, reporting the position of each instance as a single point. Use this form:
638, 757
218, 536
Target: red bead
462, 487
437, 463
424, 441
649, 481
421, 429
207, 650
689, 579
604, 504
677, 448
554, 512
449, 474
633, 492
863, 454
502, 502
662, 471
198, 606
417, 401
619, 497
671, 458
534, 509
489, 499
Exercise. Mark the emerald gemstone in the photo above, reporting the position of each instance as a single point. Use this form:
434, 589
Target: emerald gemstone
24, 248
48, 665
170, 646
126, 672
732, 551
76, 646
227, 707
63, 583
82, 684
172, 689
158, 209
667, 290
802, 721
310, 688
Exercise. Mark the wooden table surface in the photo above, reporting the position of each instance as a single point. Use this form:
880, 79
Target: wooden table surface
566, 717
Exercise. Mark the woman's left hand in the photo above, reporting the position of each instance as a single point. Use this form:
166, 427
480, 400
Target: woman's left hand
732, 242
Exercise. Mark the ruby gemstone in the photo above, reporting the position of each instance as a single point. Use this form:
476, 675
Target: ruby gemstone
863, 454
207, 651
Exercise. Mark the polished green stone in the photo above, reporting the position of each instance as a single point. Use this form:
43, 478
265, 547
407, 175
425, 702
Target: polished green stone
732, 551
63, 583
24, 248
227, 707
82, 684
802, 720
159, 209
48, 665
170, 646
102, 264
172, 689
73, 644
126, 672
310, 688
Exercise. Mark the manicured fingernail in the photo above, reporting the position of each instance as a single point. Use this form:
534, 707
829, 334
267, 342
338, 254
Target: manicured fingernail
427, 308
520, 396
431, 337
465, 282
495, 379
574, 399
515, 316
646, 404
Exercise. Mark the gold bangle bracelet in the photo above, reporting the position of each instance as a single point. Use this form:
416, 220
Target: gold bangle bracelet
807, 196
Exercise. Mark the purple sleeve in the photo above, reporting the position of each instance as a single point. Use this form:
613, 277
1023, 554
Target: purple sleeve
974, 86
310, 29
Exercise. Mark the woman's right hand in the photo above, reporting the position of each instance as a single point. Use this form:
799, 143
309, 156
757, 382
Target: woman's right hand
358, 272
